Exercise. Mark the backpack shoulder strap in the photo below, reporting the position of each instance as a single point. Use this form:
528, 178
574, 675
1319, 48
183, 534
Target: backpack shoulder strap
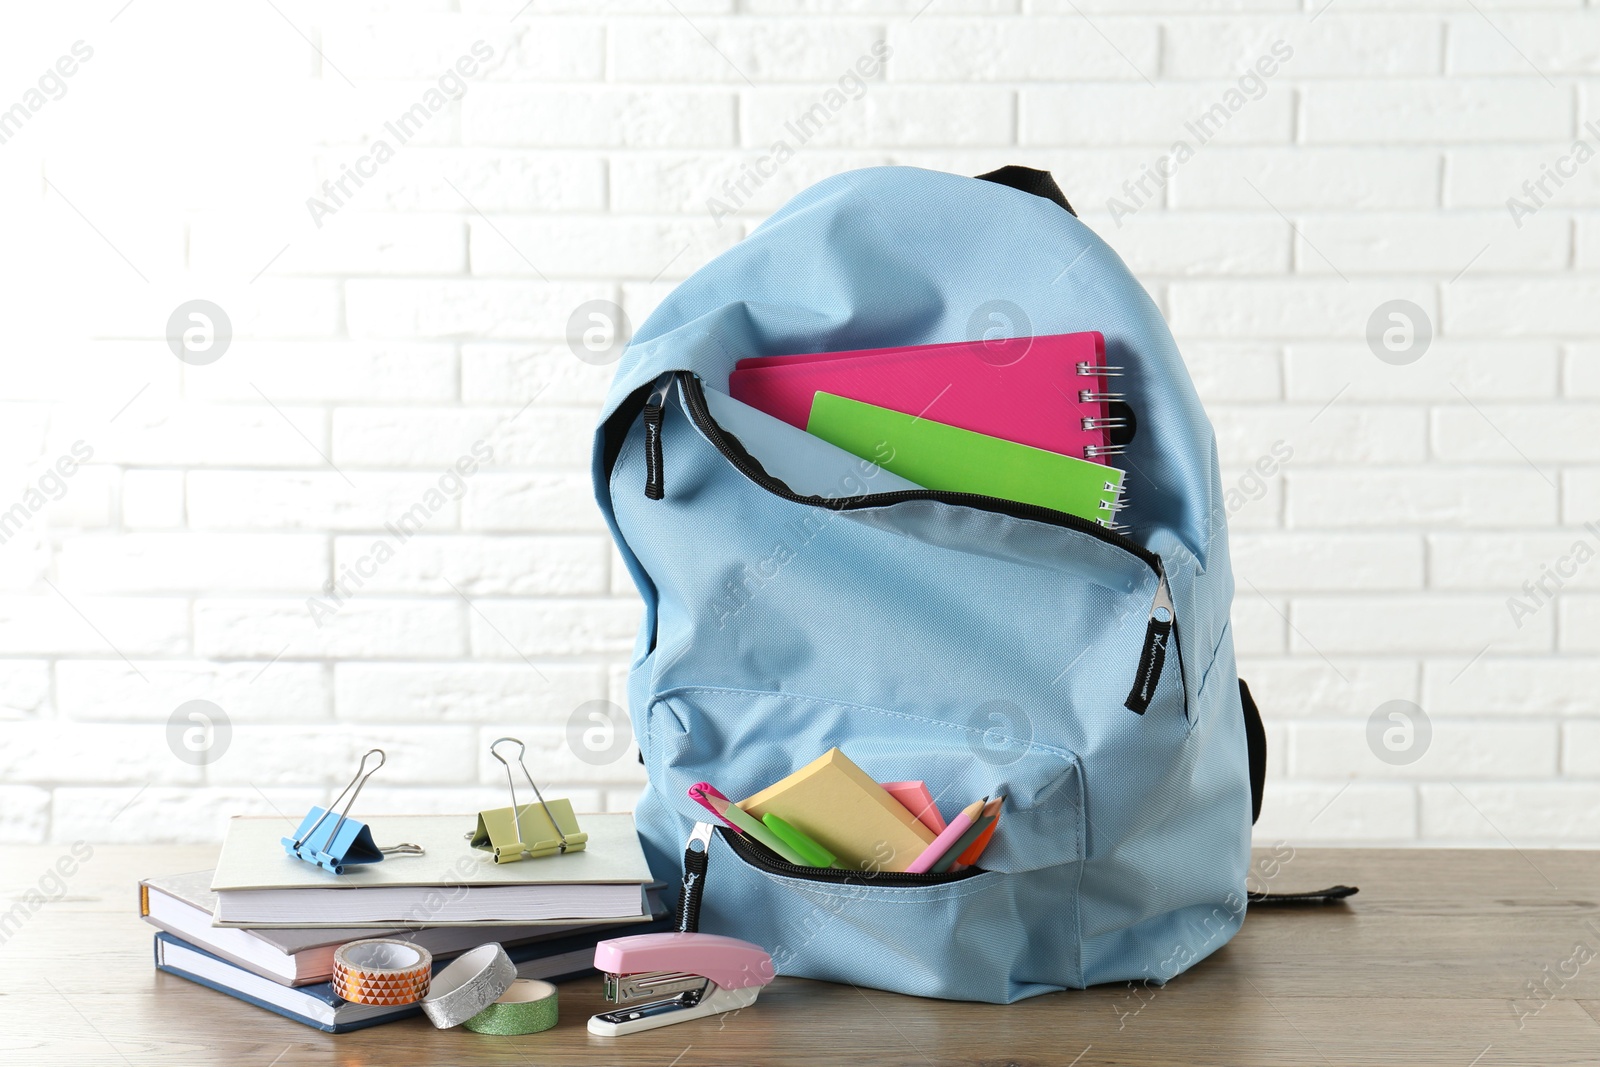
1255, 737
1331, 895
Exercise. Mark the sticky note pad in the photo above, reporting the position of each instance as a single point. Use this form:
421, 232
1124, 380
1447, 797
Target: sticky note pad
951, 459
836, 804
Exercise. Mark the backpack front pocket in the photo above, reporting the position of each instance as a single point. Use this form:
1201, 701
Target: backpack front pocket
953, 935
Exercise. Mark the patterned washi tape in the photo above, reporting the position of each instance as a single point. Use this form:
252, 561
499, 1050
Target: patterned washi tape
381, 970
469, 984
528, 1007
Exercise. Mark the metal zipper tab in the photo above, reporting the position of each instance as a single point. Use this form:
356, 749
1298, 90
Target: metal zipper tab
654, 410
1154, 656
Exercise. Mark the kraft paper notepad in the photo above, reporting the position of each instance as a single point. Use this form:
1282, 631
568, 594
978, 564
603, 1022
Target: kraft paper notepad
835, 803
1034, 390
950, 459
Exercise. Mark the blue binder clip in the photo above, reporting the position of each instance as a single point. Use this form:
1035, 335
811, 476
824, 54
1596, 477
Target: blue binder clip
348, 841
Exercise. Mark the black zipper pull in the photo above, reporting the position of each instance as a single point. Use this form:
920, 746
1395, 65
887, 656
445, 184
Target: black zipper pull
654, 409
1154, 656
694, 878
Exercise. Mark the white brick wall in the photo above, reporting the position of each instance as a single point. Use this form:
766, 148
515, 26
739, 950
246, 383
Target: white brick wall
427, 313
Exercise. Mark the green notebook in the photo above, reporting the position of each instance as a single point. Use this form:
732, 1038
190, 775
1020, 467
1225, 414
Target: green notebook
950, 459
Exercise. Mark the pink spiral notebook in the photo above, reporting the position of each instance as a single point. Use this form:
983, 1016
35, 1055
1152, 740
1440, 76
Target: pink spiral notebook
1047, 392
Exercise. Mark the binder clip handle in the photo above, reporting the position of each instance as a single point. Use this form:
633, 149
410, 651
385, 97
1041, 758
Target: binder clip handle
327, 852
362, 774
516, 812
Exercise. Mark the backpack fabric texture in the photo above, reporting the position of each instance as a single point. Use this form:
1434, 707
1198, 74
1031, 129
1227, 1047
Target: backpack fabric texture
798, 598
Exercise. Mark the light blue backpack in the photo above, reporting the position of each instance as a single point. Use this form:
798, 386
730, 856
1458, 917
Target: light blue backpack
798, 598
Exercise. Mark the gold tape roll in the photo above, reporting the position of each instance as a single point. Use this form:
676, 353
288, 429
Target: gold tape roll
381, 970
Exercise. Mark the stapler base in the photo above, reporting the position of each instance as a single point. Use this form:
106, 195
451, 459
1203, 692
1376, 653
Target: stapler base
631, 1020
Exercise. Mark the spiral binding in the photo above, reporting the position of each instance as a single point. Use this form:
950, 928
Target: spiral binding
1091, 396
1094, 396
1116, 504
1104, 424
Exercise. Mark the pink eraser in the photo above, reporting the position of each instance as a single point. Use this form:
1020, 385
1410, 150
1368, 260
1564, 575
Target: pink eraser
916, 799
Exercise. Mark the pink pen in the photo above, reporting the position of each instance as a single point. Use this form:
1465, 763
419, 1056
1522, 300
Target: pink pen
947, 837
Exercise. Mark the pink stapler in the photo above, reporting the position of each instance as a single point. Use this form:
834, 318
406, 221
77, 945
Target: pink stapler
672, 978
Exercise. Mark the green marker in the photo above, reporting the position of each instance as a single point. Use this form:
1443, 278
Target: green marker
814, 854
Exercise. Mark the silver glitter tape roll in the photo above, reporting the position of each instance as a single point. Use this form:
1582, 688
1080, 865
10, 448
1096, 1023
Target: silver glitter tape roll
472, 982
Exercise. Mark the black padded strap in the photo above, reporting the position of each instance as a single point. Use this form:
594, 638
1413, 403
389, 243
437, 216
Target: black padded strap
1028, 180
1255, 737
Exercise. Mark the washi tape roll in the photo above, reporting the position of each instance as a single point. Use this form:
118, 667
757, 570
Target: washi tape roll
381, 970
472, 982
528, 1007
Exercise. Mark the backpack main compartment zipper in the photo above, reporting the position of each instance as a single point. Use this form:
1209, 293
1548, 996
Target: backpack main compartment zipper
695, 401
1163, 621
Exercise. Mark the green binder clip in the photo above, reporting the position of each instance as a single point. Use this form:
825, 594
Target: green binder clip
526, 831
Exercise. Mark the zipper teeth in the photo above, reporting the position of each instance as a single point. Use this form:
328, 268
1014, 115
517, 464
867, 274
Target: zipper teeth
759, 859
736, 455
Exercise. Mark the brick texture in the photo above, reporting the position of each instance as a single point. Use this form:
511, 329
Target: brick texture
369, 522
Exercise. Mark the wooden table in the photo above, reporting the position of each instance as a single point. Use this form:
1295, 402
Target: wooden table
1435, 962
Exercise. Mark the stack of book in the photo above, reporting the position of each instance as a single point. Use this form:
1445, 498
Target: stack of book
263, 926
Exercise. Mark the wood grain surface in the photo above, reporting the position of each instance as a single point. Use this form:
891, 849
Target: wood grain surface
1455, 958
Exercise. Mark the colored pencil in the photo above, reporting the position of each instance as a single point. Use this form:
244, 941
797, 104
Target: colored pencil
948, 837
970, 854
